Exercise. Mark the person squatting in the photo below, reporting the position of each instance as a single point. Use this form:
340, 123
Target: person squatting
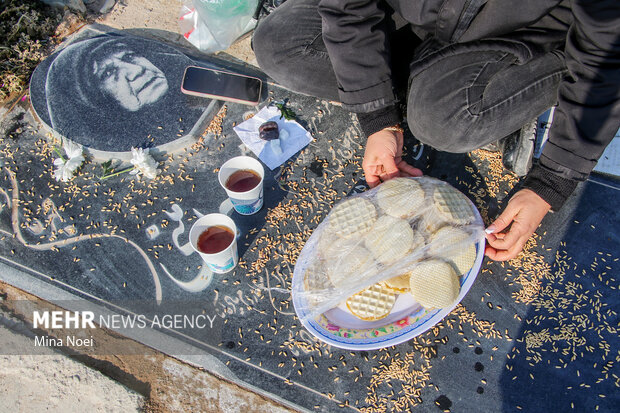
470, 73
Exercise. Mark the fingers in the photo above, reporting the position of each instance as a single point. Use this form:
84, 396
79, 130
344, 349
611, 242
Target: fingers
507, 236
491, 253
408, 170
372, 180
502, 246
507, 239
372, 170
507, 245
390, 168
382, 158
497, 254
375, 175
502, 222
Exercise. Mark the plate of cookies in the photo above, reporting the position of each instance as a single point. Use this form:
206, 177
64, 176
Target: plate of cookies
388, 264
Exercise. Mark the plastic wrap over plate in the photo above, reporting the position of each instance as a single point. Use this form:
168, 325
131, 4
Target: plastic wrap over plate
372, 237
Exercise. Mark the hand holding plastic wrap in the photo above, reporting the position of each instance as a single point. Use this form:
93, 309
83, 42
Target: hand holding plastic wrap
407, 236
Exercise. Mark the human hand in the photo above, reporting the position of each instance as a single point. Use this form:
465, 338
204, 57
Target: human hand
524, 211
383, 158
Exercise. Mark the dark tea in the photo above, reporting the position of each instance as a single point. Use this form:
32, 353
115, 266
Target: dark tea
243, 180
215, 239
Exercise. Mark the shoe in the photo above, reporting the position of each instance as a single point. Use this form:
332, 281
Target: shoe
492, 147
518, 149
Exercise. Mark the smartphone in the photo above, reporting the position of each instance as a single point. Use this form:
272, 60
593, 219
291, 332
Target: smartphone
216, 84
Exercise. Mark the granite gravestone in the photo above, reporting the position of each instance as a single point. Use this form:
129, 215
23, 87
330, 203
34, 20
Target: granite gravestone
536, 334
111, 92
496, 352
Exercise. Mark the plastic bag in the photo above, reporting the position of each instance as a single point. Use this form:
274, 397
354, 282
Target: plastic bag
213, 25
377, 241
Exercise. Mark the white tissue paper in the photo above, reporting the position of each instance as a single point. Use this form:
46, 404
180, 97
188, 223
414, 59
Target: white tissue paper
293, 137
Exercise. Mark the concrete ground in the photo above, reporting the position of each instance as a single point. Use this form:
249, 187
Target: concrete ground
162, 16
53, 381
144, 380
152, 382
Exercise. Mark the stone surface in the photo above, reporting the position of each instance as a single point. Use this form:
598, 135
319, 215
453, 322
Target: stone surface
538, 332
61, 235
111, 92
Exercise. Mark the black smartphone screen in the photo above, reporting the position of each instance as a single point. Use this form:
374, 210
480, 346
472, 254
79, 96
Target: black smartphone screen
228, 86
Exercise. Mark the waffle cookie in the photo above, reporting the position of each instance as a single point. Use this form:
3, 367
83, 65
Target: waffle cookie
449, 206
453, 205
390, 239
434, 284
454, 245
400, 197
398, 284
351, 267
332, 249
373, 303
316, 279
352, 217
464, 261
316, 283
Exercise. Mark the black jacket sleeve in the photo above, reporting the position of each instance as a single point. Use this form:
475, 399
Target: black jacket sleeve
355, 34
588, 113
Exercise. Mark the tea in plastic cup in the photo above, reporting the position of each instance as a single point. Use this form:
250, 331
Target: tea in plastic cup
214, 237
242, 178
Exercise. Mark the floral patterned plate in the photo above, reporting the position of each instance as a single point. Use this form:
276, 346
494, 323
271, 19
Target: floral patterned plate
407, 319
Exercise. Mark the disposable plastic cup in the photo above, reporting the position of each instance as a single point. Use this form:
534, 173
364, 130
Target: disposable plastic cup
248, 202
225, 260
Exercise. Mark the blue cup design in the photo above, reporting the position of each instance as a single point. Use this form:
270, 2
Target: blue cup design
222, 268
248, 207
248, 202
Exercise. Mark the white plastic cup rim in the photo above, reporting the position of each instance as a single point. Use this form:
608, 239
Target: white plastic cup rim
207, 221
224, 257
240, 163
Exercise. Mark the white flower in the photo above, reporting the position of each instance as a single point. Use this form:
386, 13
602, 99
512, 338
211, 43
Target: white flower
61, 173
65, 168
72, 149
143, 163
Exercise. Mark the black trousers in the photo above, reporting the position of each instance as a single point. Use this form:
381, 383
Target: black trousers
459, 97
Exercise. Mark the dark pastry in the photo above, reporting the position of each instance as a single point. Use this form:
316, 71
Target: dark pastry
268, 131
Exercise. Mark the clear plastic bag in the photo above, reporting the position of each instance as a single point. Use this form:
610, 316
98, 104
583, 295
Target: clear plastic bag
394, 236
213, 25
